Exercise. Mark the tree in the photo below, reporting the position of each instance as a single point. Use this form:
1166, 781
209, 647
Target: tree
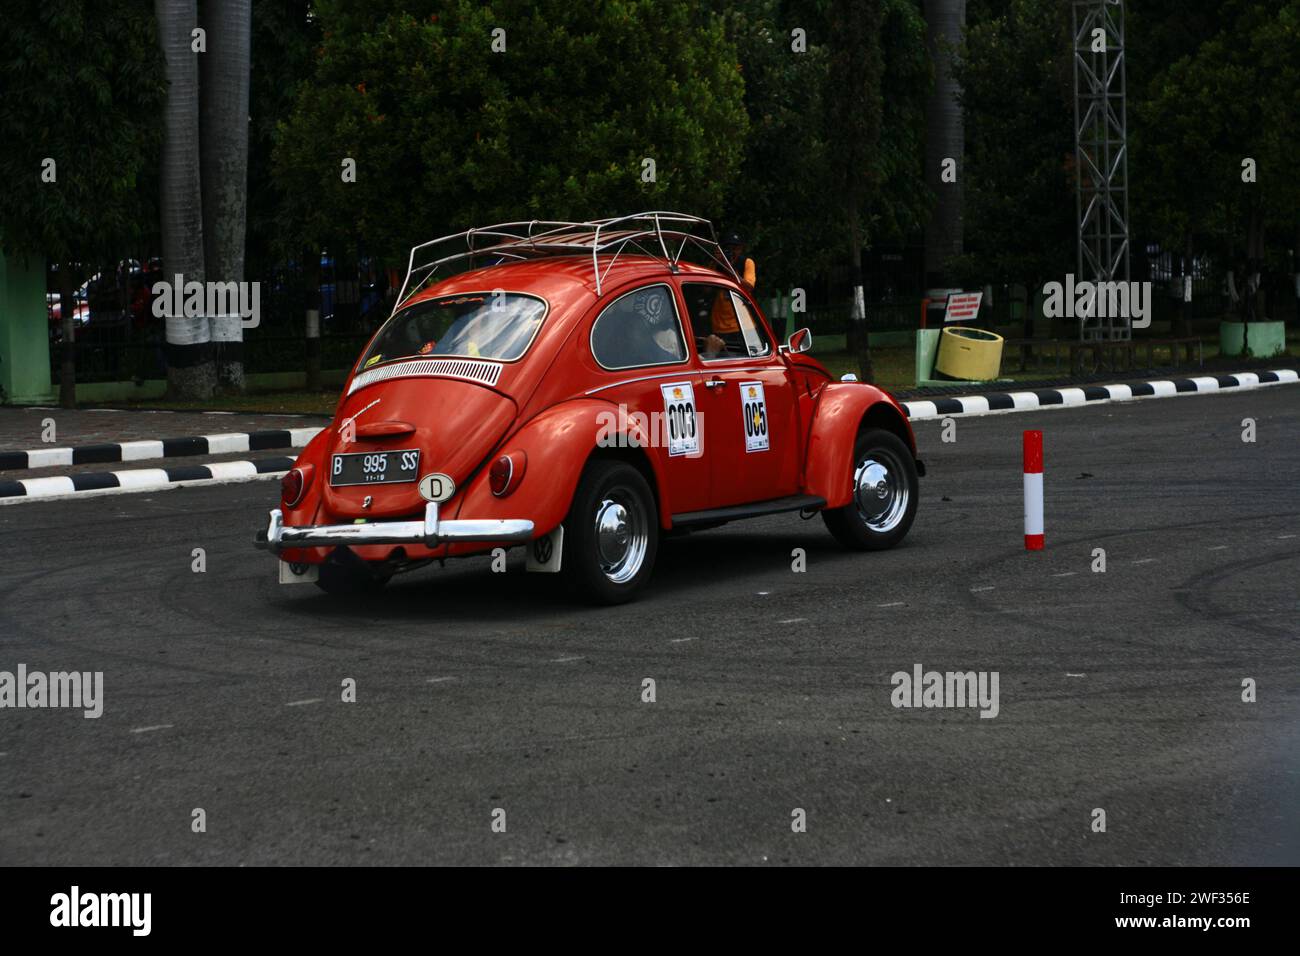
1015, 74
190, 370
83, 83
1208, 104
224, 167
944, 139
780, 204
589, 110
855, 109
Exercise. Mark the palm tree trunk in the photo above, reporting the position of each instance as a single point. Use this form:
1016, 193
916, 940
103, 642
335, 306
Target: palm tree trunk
189, 350
944, 139
859, 336
224, 119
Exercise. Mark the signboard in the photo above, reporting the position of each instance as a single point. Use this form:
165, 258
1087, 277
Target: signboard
963, 307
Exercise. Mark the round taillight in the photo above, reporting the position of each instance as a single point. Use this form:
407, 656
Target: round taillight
499, 475
291, 487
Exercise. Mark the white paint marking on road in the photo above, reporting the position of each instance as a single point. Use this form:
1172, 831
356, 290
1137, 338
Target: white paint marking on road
231, 469
680, 640
1219, 547
891, 604
1283, 537
1064, 574
1144, 560
44, 487
227, 442
764, 593
145, 730
793, 620
49, 457
438, 680
988, 587
1068, 674
565, 660
141, 450
302, 703
142, 478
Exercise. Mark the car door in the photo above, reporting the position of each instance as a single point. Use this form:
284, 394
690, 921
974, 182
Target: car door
638, 338
747, 407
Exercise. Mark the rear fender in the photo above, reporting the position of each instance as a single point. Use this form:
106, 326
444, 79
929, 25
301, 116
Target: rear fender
558, 444
843, 410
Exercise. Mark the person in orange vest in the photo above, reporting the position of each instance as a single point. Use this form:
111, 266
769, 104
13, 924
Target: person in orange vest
723, 317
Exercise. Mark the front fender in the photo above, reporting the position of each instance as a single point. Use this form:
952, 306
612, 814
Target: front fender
842, 409
557, 444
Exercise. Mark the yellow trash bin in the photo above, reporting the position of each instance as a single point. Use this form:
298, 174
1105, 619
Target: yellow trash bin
970, 354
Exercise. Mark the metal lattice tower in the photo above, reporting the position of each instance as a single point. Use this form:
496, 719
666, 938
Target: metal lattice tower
1101, 155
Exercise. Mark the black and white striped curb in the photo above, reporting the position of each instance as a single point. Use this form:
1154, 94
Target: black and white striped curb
157, 479
996, 402
141, 479
222, 444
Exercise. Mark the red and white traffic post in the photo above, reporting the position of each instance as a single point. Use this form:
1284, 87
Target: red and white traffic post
1034, 491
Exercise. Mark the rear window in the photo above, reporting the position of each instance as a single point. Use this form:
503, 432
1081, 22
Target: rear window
488, 325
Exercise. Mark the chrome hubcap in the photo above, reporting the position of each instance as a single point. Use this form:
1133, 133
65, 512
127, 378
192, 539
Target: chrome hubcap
621, 535
880, 490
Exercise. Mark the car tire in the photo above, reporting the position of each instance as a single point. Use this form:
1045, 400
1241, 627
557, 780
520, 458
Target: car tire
885, 494
350, 575
611, 534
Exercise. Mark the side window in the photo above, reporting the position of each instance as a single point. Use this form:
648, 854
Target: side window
639, 329
723, 324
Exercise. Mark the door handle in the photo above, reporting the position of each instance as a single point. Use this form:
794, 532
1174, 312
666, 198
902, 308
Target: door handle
715, 383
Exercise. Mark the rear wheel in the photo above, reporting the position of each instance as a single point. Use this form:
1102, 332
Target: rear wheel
885, 493
611, 535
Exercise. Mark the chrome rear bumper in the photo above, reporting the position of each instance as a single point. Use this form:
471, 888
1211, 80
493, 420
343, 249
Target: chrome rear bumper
429, 532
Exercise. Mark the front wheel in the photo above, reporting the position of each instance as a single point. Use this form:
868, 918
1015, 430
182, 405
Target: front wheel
611, 534
885, 494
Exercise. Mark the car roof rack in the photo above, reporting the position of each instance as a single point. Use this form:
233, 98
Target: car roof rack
662, 235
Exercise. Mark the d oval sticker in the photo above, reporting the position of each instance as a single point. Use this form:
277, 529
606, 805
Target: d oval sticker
437, 487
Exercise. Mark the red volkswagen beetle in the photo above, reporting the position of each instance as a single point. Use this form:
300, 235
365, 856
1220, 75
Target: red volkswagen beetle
581, 390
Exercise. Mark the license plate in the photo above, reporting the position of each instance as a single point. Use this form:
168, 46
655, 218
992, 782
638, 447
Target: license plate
299, 573
375, 468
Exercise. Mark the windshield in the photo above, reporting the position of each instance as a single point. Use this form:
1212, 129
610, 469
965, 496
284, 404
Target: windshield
490, 325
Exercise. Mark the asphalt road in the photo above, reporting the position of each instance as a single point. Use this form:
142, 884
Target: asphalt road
1118, 690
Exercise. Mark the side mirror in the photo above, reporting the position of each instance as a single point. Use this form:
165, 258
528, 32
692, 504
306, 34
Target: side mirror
800, 341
